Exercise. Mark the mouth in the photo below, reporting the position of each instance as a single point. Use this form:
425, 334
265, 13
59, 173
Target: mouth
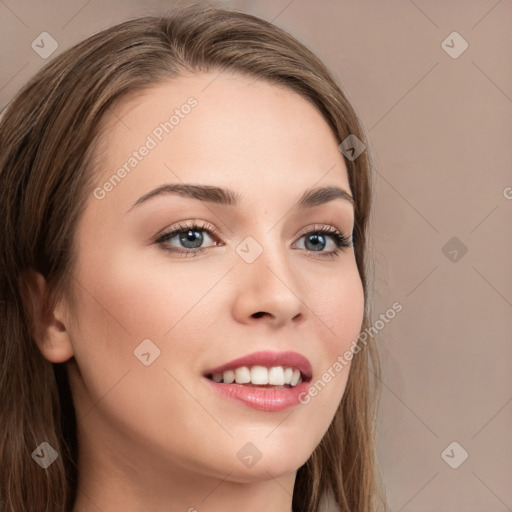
266, 381
277, 377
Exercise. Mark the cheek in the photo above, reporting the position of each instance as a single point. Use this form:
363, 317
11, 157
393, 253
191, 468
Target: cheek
341, 306
125, 300
342, 310
121, 303
141, 299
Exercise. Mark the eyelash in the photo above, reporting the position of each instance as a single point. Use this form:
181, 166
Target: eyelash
340, 240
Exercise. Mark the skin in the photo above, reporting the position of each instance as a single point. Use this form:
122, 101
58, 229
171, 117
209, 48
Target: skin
158, 437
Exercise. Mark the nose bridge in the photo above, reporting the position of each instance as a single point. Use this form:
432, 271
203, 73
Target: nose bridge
267, 280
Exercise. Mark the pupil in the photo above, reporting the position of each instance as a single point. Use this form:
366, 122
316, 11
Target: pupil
189, 238
317, 240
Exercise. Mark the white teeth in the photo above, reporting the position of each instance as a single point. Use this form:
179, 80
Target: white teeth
288, 375
295, 378
260, 376
228, 377
276, 376
242, 375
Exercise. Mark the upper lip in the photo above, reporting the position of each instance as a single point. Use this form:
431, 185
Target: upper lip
268, 359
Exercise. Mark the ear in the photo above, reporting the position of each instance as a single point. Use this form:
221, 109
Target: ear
48, 325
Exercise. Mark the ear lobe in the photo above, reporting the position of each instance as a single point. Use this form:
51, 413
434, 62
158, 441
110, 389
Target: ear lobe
47, 325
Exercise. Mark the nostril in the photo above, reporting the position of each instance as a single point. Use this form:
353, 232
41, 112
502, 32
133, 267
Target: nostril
258, 315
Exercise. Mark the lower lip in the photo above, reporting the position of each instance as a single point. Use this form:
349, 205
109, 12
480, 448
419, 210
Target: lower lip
263, 399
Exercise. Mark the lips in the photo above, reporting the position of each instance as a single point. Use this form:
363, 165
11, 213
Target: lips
267, 360
266, 381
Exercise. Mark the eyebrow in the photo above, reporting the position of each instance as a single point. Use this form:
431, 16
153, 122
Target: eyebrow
310, 198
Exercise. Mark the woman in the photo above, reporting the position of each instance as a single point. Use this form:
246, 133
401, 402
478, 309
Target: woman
184, 208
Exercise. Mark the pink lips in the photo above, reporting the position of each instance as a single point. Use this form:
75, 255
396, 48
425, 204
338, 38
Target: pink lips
268, 359
265, 399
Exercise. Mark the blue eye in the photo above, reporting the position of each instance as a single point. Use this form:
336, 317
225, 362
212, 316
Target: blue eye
191, 238
317, 240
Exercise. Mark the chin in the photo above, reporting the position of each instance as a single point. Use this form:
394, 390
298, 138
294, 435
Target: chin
267, 467
271, 459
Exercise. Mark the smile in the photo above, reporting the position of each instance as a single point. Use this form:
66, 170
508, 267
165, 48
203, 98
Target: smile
260, 376
266, 381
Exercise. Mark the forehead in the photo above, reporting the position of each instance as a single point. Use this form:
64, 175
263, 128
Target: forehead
217, 128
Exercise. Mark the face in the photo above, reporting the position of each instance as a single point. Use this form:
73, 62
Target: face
181, 291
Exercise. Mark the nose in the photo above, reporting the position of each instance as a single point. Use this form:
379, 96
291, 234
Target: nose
268, 290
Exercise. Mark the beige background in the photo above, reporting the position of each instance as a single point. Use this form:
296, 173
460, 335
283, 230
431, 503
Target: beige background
440, 131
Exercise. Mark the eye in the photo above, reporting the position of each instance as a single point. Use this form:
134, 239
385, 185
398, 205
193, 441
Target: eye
190, 237
316, 239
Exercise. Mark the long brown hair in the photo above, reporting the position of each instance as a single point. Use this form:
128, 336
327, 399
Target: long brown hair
47, 137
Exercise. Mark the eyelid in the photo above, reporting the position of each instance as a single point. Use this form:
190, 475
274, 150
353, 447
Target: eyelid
206, 226
319, 227
200, 225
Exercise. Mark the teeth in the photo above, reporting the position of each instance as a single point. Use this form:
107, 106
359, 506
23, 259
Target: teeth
228, 377
260, 376
242, 375
295, 378
276, 376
